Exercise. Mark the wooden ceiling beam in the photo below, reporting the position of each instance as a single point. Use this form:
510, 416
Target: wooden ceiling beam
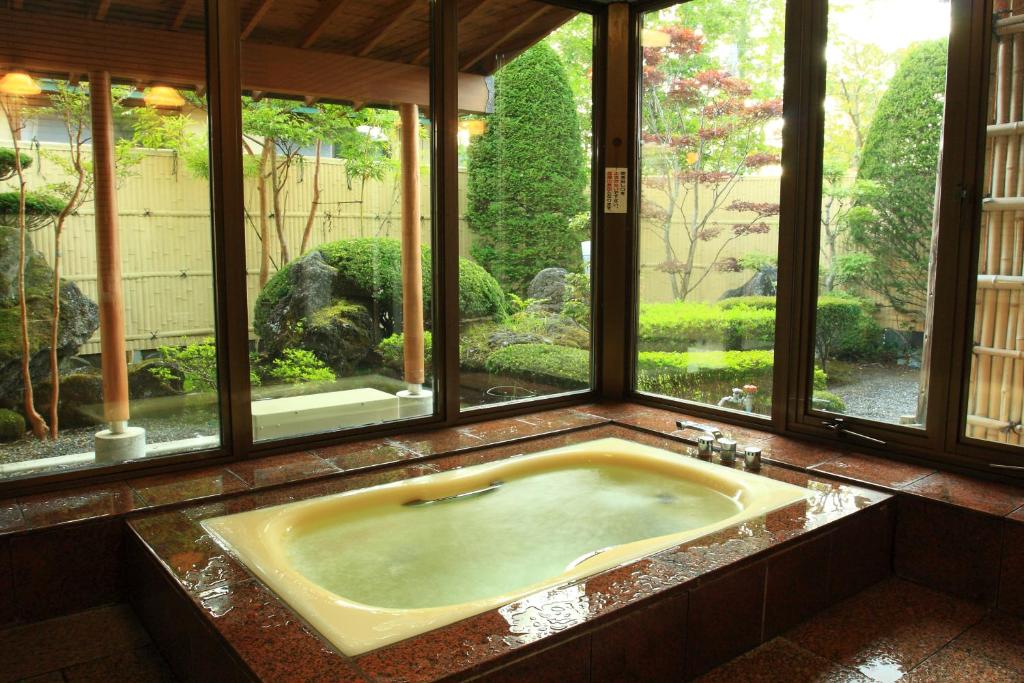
493, 47
421, 57
177, 58
181, 14
319, 21
262, 7
102, 7
396, 14
15, 4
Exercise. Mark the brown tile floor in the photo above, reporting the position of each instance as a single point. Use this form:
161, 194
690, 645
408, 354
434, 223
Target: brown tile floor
102, 645
893, 631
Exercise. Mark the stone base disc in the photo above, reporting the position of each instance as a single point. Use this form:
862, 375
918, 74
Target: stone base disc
128, 445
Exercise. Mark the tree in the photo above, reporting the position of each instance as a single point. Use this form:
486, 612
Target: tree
527, 173
895, 199
702, 132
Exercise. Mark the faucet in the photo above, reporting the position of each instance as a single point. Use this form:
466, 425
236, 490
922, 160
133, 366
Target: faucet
741, 399
711, 439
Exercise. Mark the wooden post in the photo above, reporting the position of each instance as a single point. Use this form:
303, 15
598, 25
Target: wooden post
108, 255
412, 261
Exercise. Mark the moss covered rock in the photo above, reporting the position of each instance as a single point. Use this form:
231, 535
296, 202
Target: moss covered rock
79, 317
155, 379
12, 425
343, 298
81, 399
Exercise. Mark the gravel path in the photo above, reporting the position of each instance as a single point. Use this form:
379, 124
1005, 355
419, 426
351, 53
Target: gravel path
882, 393
80, 440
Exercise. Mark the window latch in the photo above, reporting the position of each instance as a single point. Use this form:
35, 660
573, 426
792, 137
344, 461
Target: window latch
838, 425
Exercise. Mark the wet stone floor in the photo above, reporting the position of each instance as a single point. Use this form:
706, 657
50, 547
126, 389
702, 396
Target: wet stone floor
894, 631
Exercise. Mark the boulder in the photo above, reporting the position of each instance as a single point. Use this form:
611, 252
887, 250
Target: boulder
311, 315
763, 283
12, 425
155, 379
81, 399
548, 290
79, 318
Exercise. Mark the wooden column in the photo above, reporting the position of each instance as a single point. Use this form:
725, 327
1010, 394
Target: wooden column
108, 254
412, 262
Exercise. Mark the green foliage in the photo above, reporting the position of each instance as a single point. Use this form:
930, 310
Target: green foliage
527, 173
757, 261
576, 304
371, 268
747, 302
12, 425
7, 166
835, 317
826, 400
706, 376
392, 351
197, 364
297, 366
892, 217
668, 326
847, 328
561, 366
40, 207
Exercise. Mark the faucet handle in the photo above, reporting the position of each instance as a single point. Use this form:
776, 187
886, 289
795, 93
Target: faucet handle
752, 458
727, 448
705, 446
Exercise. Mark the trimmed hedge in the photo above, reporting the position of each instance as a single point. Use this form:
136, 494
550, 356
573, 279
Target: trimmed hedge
561, 366
371, 268
846, 330
667, 327
704, 376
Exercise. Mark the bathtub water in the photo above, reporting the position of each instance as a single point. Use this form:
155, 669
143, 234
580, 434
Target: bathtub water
528, 529
373, 566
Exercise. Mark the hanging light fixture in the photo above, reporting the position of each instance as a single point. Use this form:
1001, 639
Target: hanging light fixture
19, 83
473, 127
163, 96
652, 37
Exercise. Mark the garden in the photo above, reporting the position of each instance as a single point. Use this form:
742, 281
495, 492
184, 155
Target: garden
325, 248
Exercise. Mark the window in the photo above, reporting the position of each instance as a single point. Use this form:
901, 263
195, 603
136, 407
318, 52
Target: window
884, 120
107, 298
710, 145
525, 229
338, 225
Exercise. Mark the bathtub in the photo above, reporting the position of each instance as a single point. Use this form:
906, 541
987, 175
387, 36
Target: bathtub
374, 566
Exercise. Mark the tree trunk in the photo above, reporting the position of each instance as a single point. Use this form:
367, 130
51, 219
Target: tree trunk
307, 233
35, 420
261, 188
277, 185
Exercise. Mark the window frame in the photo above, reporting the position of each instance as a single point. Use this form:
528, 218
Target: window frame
616, 60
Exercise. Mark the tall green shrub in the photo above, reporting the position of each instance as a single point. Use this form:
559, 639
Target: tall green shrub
892, 219
527, 173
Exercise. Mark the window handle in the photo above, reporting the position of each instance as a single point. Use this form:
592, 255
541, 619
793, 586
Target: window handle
838, 425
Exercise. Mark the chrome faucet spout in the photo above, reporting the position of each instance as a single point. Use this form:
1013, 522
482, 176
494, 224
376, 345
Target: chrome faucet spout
685, 425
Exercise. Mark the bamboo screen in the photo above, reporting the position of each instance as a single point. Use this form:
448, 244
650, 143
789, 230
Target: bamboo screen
996, 399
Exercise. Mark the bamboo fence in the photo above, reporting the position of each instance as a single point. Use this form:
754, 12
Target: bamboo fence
996, 394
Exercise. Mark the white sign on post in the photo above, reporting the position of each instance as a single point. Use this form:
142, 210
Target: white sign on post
615, 181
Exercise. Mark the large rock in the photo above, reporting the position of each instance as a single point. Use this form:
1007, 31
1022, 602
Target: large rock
79, 318
764, 283
81, 399
548, 290
155, 379
312, 316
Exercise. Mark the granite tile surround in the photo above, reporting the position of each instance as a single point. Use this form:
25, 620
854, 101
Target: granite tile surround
557, 627
429, 451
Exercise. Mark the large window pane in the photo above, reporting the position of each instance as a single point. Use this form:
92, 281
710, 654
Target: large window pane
884, 119
524, 182
995, 409
337, 213
711, 122
106, 294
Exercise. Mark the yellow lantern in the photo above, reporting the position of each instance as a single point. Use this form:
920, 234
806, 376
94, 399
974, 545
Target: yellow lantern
163, 96
19, 83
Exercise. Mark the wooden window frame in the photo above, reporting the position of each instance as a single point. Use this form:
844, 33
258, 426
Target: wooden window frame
615, 255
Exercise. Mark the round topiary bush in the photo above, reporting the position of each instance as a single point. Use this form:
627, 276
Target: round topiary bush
12, 425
